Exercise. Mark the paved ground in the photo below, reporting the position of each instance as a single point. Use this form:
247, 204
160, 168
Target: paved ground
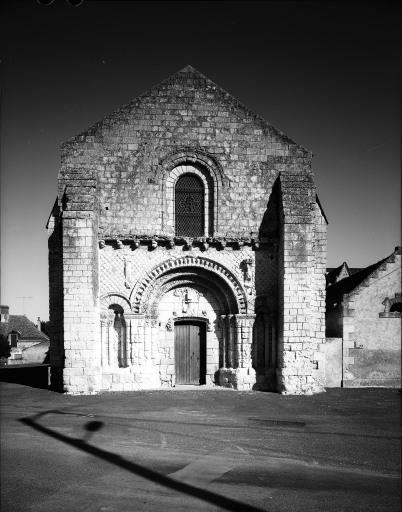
200, 450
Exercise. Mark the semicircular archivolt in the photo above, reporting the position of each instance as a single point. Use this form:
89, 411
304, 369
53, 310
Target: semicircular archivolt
115, 298
212, 271
151, 304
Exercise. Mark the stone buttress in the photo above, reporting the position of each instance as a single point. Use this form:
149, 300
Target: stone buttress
186, 246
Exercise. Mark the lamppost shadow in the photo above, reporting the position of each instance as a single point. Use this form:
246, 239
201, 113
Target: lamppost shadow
82, 444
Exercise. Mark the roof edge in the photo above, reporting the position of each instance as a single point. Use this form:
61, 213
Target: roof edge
188, 69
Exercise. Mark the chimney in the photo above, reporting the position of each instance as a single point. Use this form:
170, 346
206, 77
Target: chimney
4, 314
39, 324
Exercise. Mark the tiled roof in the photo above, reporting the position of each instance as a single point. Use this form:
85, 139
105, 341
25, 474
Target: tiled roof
27, 329
335, 292
353, 270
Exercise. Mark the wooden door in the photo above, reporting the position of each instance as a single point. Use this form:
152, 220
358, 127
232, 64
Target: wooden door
188, 353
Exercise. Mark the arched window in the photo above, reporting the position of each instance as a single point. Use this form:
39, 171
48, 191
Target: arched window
392, 307
119, 335
189, 206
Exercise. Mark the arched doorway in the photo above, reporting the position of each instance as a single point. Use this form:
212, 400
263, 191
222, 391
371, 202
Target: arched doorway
196, 328
190, 352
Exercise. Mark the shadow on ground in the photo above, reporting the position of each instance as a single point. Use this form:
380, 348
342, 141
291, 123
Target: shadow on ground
117, 460
35, 376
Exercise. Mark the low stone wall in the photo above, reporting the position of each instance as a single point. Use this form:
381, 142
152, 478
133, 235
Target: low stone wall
374, 368
332, 350
369, 368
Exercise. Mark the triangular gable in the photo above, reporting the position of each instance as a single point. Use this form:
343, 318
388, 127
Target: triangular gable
188, 76
349, 284
334, 275
344, 272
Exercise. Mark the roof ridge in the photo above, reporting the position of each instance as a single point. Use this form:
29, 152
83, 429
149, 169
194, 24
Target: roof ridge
365, 274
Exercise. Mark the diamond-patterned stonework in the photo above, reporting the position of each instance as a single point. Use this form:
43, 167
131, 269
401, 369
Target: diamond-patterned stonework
122, 281
142, 261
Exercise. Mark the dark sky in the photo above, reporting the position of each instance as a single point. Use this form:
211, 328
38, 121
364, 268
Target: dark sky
325, 73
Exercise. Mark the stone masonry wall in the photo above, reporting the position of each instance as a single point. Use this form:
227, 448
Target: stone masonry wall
56, 306
123, 265
114, 185
302, 275
318, 298
80, 283
372, 352
186, 115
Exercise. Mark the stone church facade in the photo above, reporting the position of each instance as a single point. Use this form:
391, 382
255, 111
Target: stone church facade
186, 246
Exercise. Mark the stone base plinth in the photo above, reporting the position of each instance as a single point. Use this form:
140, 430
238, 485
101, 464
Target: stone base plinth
266, 381
297, 384
237, 378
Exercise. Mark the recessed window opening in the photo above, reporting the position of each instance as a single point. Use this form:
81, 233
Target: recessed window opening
119, 337
189, 206
396, 307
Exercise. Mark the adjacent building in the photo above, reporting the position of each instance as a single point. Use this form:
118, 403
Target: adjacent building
364, 310
21, 342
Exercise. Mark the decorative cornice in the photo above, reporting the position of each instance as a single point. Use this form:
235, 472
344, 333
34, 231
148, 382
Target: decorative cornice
118, 241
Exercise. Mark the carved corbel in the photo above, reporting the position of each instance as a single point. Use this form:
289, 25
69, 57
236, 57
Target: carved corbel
222, 243
102, 244
204, 244
256, 243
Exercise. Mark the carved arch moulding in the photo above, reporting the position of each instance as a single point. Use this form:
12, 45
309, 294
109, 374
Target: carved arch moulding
139, 291
210, 172
193, 156
115, 298
181, 281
